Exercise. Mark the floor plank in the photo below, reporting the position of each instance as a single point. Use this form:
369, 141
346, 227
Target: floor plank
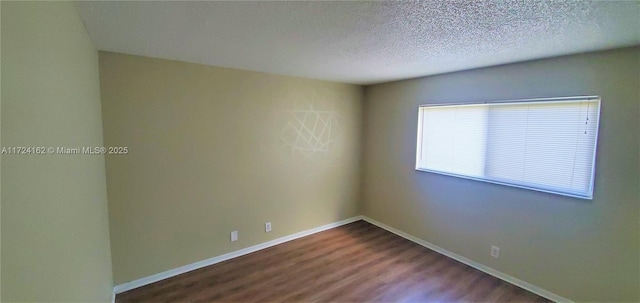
357, 262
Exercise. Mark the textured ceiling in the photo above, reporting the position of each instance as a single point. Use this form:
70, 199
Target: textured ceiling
360, 42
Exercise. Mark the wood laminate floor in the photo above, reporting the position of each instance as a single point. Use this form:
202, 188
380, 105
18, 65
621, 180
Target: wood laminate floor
357, 262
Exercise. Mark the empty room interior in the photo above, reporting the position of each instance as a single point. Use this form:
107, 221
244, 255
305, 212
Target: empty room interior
320, 151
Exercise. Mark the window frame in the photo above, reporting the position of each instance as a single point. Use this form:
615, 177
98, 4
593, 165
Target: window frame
419, 145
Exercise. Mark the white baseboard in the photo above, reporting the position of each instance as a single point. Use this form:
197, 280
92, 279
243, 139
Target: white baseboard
193, 266
500, 275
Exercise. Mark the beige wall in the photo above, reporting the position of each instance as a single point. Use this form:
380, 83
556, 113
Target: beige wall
214, 150
584, 250
55, 235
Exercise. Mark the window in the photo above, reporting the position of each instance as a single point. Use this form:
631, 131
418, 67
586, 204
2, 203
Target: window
541, 144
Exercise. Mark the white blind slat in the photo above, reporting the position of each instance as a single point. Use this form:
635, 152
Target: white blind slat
545, 145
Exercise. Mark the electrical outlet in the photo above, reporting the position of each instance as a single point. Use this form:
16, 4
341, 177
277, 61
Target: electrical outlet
495, 251
267, 227
234, 236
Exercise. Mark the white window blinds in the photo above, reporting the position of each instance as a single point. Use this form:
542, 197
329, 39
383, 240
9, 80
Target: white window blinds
547, 145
